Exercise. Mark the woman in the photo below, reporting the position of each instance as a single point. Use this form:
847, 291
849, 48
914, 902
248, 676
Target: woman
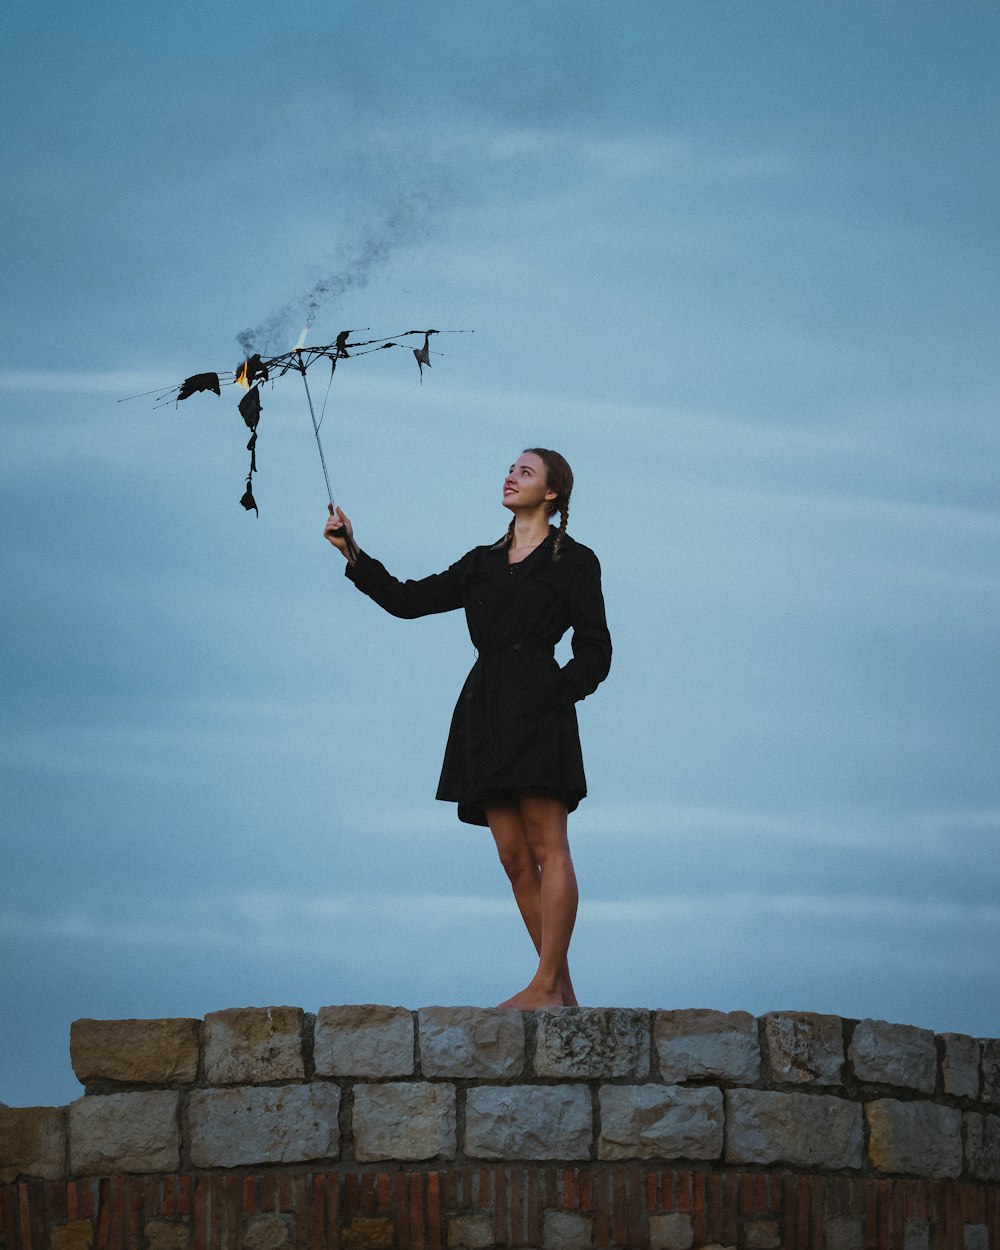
513, 759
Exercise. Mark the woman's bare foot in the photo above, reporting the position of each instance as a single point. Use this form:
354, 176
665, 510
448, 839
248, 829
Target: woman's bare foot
533, 998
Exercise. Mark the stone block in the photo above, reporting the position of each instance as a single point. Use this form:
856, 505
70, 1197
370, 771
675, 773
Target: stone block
140, 1052
915, 1138
409, 1121
167, 1235
32, 1143
960, 1065
805, 1130
763, 1235
660, 1122
844, 1232
804, 1047
975, 1237
253, 1045
528, 1122
894, 1054
592, 1042
670, 1232
125, 1133
692, 1045
265, 1232
982, 1146
916, 1235
368, 1040
73, 1235
566, 1230
989, 1049
471, 1042
232, 1128
367, 1232
470, 1232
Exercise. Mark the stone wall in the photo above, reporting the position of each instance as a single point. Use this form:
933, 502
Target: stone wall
457, 1127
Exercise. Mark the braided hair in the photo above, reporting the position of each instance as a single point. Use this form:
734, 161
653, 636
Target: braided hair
558, 477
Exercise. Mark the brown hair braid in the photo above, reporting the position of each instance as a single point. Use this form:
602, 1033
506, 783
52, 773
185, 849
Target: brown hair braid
558, 477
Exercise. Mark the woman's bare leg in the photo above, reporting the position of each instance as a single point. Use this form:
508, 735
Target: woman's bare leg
522, 868
543, 827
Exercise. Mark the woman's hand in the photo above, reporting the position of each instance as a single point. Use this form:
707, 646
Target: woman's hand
338, 529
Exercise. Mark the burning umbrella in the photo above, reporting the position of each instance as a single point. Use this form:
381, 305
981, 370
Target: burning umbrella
256, 369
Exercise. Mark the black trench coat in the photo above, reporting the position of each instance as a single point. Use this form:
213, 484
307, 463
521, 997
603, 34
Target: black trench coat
514, 727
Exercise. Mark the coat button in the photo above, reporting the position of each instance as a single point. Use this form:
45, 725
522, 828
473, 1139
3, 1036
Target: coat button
517, 646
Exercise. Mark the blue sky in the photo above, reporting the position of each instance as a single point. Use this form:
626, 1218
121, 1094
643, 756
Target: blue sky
738, 263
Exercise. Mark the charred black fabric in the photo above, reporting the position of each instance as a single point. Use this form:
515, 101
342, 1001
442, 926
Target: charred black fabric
250, 408
514, 727
423, 354
341, 344
252, 449
248, 500
250, 370
198, 382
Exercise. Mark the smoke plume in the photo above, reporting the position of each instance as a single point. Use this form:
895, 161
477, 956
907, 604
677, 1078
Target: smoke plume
405, 222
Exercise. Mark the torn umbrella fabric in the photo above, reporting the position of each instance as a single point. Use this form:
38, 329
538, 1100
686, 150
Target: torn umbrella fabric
199, 382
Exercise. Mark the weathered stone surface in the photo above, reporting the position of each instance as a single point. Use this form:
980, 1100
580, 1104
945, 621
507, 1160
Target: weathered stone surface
141, 1052
916, 1138
167, 1235
670, 1232
566, 1230
660, 1122
844, 1232
368, 1040
32, 1143
408, 1120
989, 1048
588, 1042
763, 1235
528, 1122
73, 1235
470, 1232
266, 1232
471, 1042
806, 1130
917, 1235
804, 1047
982, 1145
253, 1045
960, 1065
975, 1237
695, 1044
369, 1233
125, 1133
260, 1124
894, 1054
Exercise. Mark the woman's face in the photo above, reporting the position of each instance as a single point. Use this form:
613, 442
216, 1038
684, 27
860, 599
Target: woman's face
525, 485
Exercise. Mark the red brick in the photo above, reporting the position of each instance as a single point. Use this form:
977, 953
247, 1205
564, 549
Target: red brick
366, 1196
871, 1215
536, 1202
8, 1214
318, 1211
332, 1189
683, 1197
55, 1201
303, 1212
650, 1186
417, 1241
517, 1204
698, 1212
402, 1211
635, 1204
103, 1214
216, 1208
788, 1209
286, 1195
434, 1211
570, 1189
731, 1183
485, 1189
899, 1193
24, 1216
619, 1229
602, 1181
500, 1233
72, 1201
714, 1214
201, 1204
817, 1196
802, 1220
152, 1188
352, 1196
586, 1191
134, 1221
184, 1197
383, 1193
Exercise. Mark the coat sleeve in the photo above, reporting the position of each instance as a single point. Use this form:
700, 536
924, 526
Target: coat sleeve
591, 641
442, 592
